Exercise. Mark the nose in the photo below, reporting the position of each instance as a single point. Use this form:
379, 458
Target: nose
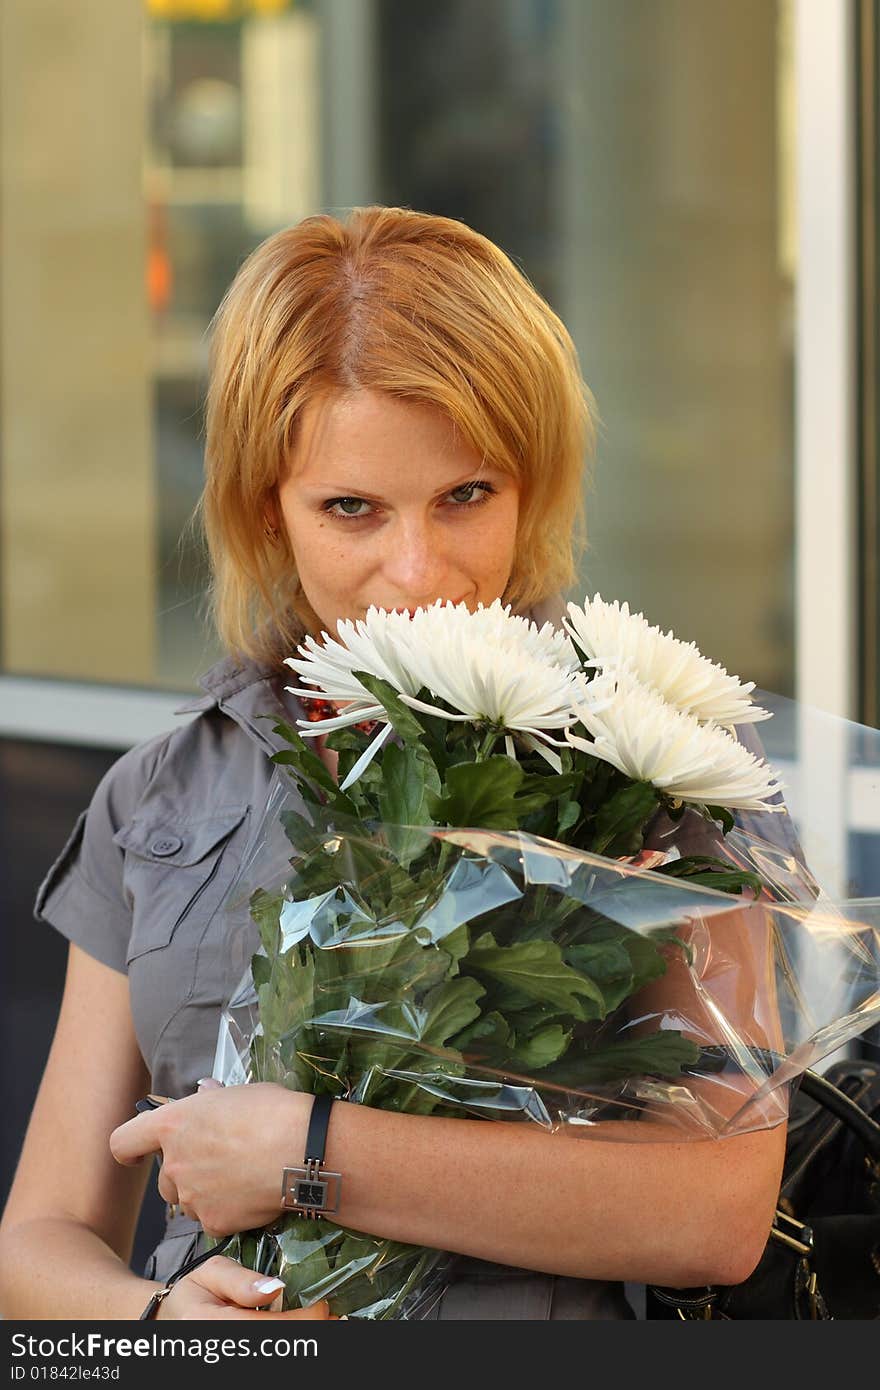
417, 568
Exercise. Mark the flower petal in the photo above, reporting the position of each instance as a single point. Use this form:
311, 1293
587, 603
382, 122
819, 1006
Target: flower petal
366, 757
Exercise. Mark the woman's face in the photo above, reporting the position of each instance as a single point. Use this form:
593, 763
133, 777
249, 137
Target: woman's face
384, 503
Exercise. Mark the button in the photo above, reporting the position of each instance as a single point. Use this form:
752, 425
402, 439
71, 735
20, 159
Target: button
169, 845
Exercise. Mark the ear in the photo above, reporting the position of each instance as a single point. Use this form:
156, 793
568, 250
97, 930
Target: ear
272, 510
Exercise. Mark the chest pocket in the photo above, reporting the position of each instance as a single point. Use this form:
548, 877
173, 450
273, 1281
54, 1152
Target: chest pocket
175, 870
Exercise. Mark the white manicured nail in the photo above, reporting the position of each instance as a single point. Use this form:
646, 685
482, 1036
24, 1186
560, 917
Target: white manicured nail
268, 1285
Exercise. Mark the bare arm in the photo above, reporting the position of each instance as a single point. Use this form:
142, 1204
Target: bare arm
68, 1228
640, 1204
645, 1202
664, 1210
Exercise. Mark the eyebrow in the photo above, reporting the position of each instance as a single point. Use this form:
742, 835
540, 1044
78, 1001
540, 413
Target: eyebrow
338, 491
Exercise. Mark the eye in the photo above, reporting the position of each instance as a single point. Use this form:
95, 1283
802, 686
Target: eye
463, 499
486, 491
348, 507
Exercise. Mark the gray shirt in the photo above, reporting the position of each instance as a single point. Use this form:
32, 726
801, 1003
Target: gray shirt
139, 885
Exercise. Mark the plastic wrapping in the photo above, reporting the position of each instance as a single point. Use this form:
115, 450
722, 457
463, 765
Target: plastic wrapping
499, 975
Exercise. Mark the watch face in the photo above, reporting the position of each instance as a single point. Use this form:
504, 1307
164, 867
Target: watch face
309, 1190
310, 1194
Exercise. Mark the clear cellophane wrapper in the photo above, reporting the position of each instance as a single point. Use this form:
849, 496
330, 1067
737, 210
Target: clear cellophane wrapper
497, 976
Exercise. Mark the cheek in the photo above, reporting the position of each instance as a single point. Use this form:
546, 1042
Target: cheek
498, 542
327, 559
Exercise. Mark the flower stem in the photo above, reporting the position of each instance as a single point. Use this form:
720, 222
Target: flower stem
487, 745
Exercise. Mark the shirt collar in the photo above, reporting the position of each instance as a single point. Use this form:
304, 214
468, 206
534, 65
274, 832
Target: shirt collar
247, 689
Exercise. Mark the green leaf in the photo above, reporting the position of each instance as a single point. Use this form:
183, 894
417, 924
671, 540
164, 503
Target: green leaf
541, 1048
451, 1007
283, 729
711, 872
261, 970
401, 716
608, 964
408, 775
455, 945
287, 998
265, 909
647, 962
350, 743
664, 1053
312, 771
306, 837
307, 1254
486, 1041
303, 758
620, 820
726, 817
536, 970
569, 815
484, 795
604, 960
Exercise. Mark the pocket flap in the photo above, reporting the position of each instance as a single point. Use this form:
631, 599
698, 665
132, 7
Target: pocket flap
166, 840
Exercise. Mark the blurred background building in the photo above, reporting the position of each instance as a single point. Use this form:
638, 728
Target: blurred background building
692, 184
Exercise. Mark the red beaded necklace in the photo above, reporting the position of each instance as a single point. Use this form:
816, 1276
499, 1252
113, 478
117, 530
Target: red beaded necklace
318, 708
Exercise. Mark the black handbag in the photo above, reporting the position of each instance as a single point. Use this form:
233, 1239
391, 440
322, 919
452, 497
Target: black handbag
822, 1258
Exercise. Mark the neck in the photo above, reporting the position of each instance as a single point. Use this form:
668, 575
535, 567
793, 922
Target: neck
327, 756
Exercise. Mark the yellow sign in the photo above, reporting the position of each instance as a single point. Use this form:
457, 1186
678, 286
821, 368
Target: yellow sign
212, 11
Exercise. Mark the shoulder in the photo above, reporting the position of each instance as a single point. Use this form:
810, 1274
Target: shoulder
127, 778
548, 610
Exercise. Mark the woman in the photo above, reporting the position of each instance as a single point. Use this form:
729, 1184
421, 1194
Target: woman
394, 416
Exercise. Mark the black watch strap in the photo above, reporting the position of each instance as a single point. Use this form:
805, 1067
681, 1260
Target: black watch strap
319, 1121
310, 1190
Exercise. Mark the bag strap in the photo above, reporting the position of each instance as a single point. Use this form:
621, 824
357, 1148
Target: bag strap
820, 1089
718, 1058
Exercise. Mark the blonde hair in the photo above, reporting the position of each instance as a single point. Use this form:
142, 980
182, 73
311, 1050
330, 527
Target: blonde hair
393, 300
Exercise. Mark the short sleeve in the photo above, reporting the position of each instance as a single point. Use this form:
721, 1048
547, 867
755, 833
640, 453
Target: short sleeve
82, 895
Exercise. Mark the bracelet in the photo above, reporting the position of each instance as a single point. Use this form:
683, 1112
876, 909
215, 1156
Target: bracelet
187, 1267
152, 1307
309, 1190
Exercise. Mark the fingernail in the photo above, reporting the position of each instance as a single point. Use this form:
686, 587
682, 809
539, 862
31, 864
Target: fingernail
268, 1285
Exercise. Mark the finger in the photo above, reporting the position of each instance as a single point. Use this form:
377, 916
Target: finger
208, 1083
317, 1312
226, 1278
167, 1189
131, 1142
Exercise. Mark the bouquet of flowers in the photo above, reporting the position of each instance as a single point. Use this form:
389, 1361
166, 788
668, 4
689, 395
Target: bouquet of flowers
552, 885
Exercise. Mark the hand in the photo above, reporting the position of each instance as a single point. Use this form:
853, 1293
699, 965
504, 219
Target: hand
222, 1151
222, 1288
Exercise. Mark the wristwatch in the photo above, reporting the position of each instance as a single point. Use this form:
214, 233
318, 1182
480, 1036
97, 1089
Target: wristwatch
310, 1190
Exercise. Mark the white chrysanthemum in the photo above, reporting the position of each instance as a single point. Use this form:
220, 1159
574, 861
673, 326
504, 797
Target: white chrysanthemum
493, 666
488, 666
648, 740
609, 634
373, 645
496, 623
